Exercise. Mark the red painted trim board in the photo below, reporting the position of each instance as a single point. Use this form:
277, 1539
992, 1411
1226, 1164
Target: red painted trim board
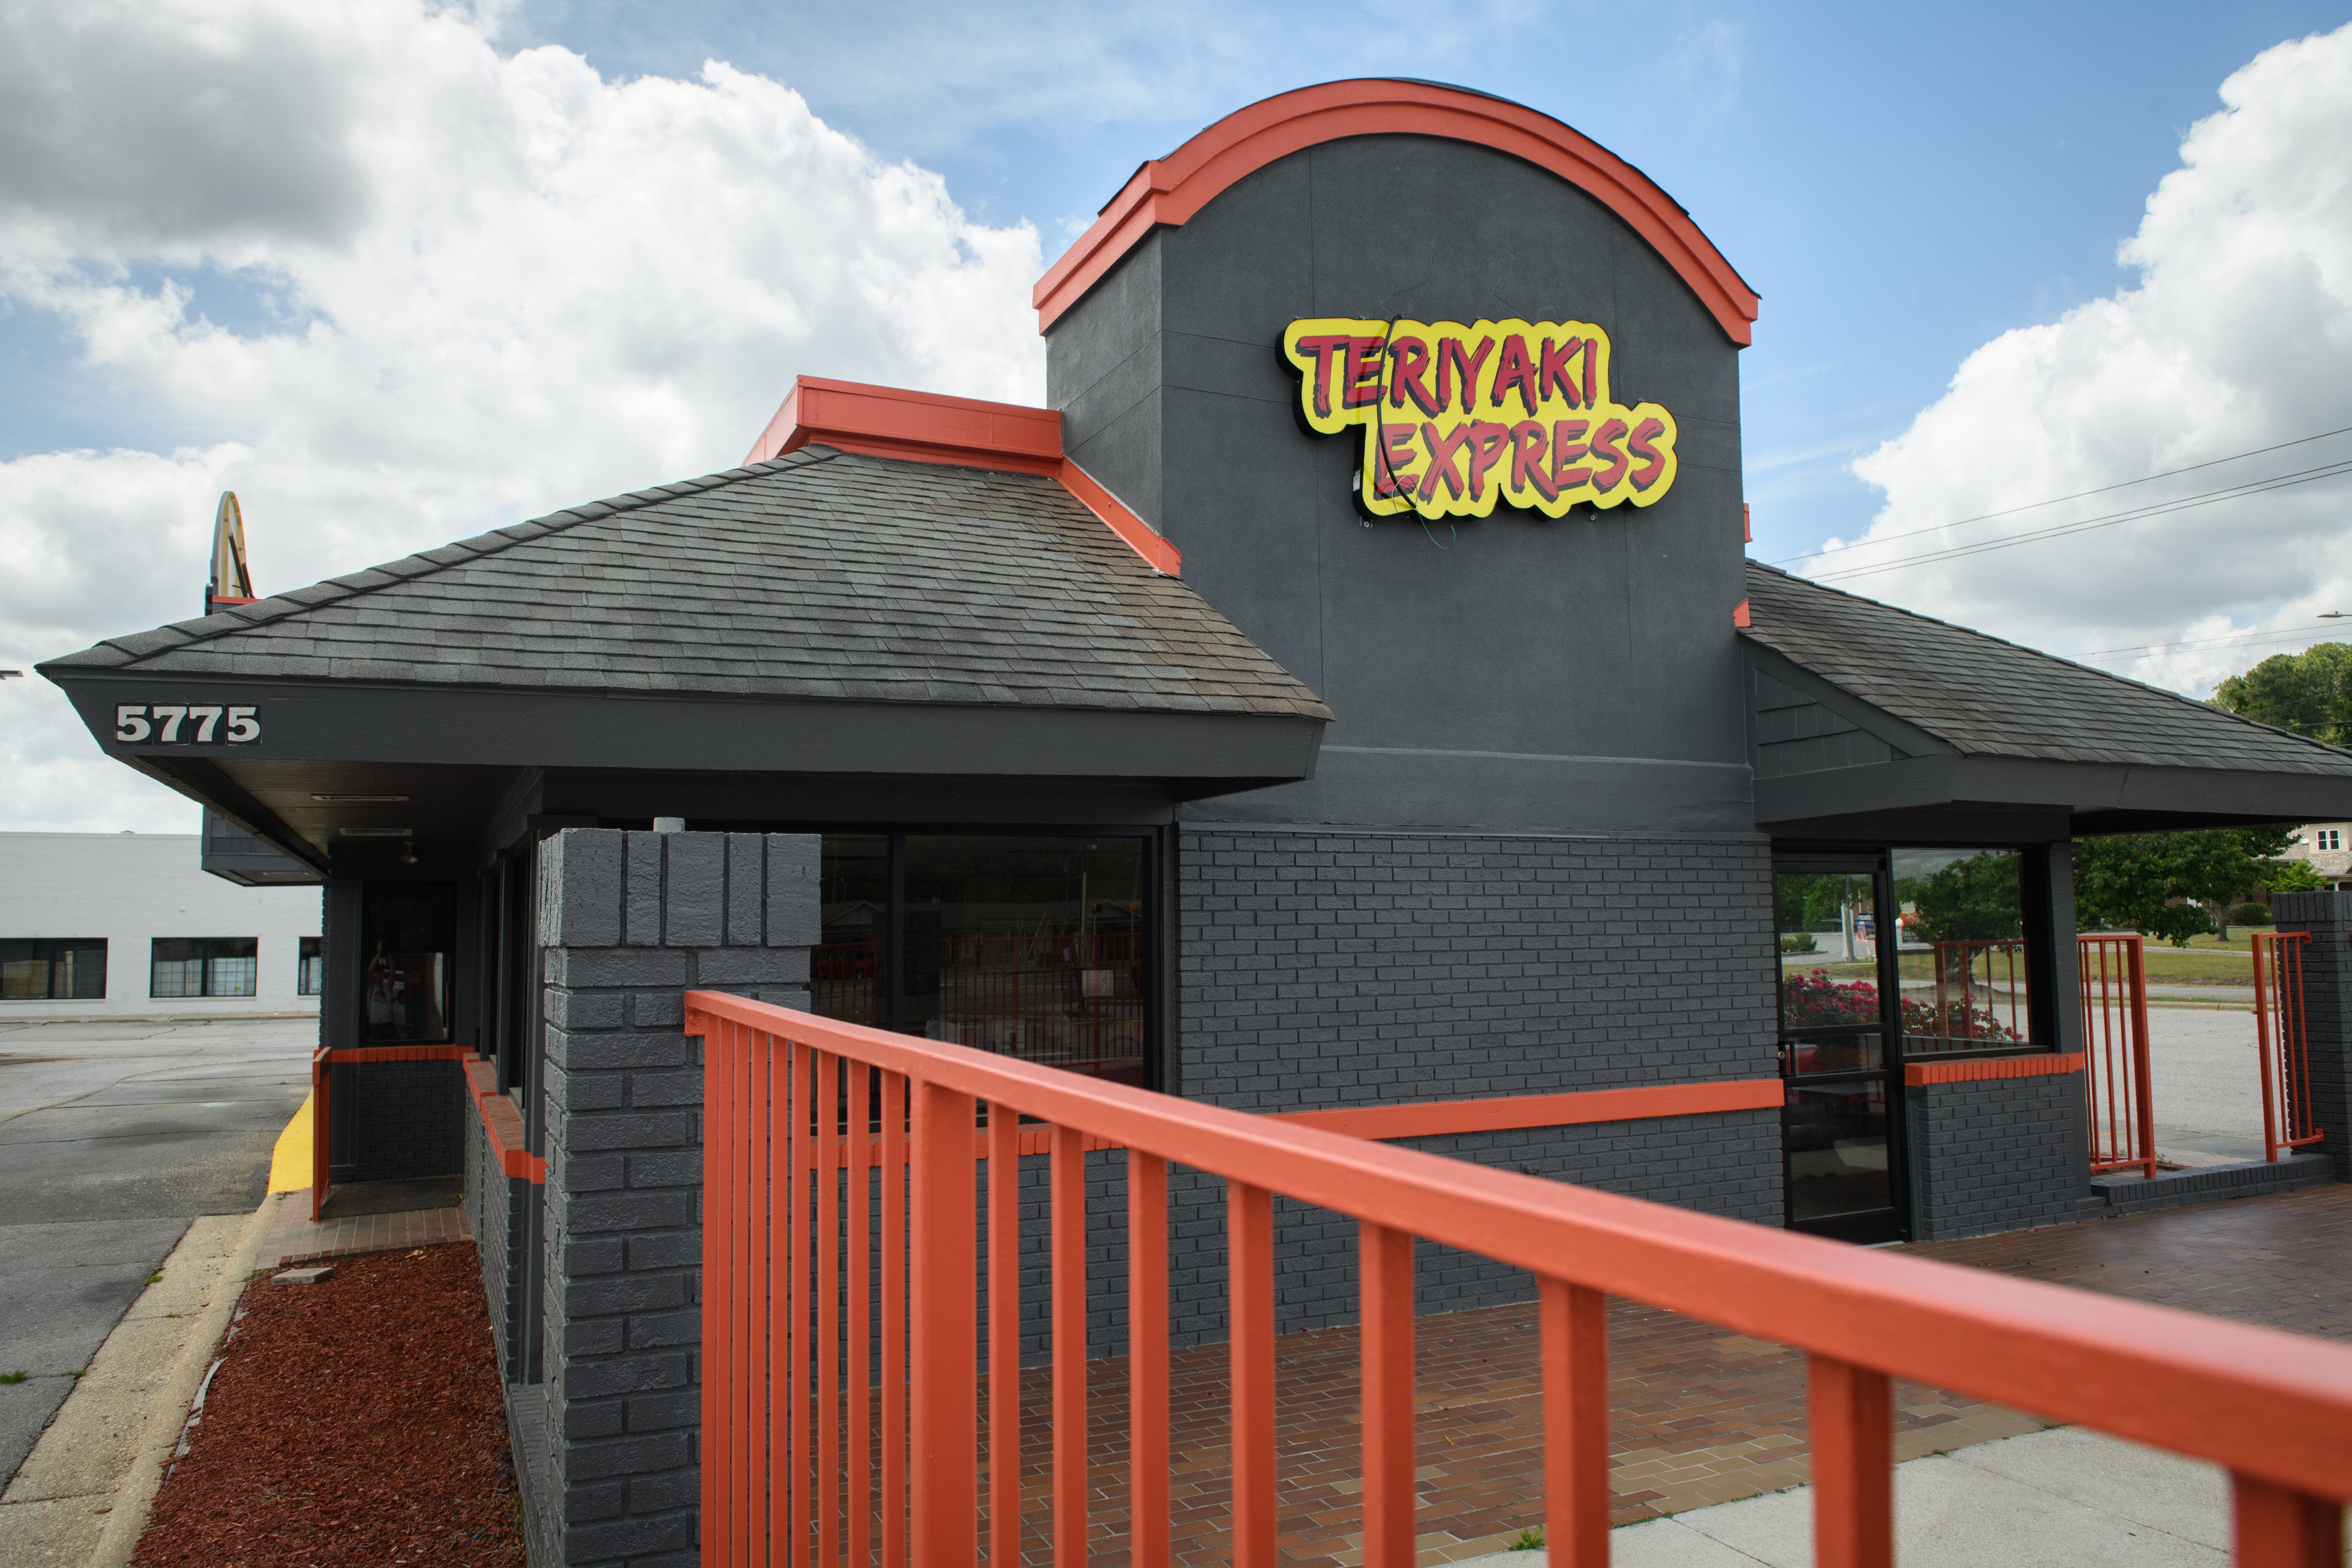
1982, 1069
961, 431
1170, 191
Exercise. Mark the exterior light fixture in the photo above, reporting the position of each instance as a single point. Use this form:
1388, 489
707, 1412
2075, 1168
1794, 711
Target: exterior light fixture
377, 833
359, 799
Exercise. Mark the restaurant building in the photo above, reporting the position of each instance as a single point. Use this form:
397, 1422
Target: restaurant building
1349, 697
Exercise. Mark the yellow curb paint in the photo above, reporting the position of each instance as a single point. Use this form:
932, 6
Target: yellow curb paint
290, 1161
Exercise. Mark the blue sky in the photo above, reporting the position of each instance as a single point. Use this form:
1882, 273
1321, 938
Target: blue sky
1901, 184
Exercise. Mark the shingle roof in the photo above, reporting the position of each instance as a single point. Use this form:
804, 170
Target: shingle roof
820, 575
1990, 698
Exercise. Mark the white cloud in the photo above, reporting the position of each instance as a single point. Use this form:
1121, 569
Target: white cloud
494, 285
2235, 336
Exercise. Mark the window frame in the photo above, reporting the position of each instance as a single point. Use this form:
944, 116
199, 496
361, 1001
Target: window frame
52, 952
1159, 957
207, 959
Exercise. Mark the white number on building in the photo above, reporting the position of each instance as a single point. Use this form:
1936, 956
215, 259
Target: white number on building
186, 724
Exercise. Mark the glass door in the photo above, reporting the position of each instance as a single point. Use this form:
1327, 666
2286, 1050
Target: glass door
1842, 1117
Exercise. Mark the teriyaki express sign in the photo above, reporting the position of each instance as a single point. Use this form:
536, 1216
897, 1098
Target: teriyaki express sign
1457, 418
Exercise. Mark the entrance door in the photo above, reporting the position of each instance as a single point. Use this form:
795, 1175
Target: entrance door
1841, 1118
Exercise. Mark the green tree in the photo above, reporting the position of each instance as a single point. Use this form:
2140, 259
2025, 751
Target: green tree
2309, 693
2131, 880
1970, 899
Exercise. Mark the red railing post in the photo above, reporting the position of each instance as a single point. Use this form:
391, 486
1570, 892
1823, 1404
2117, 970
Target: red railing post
1249, 1266
944, 1305
754, 1332
1386, 1272
321, 1136
1852, 1413
897, 1112
788, 1387
719, 1291
1146, 1357
1573, 1324
2143, 1071
828, 1279
857, 1170
2260, 943
2276, 1528
1004, 1336
1066, 1179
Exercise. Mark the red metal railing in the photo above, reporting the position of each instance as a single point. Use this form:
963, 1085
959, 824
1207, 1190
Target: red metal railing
2286, 1047
2117, 1080
806, 1352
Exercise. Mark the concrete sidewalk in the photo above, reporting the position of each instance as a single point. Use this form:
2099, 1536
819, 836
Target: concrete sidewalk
2067, 1498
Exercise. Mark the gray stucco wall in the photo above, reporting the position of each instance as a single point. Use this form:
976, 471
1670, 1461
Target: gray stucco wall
628, 922
2002, 1154
2327, 1010
1511, 672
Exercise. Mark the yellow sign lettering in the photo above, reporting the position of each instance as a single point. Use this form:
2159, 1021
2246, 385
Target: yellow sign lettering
1457, 418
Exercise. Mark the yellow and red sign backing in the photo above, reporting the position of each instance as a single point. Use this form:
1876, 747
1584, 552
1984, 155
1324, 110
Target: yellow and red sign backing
1457, 418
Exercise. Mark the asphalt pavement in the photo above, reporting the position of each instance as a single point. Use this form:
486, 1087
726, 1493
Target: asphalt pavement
113, 1136
2207, 1084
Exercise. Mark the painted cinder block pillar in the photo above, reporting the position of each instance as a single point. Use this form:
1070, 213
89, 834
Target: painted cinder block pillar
2327, 1005
628, 922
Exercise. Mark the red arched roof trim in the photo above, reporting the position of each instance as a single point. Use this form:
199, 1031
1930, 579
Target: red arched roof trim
1171, 190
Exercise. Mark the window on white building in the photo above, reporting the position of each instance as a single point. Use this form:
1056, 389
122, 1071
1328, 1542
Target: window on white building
2329, 839
53, 968
205, 966
310, 970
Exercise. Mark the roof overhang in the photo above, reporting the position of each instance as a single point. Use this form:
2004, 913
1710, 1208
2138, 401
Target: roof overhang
474, 742
1937, 791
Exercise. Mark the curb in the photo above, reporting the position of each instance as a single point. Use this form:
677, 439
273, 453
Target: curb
167, 1408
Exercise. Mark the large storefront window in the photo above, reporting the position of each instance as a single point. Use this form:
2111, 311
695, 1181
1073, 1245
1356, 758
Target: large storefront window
67, 969
205, 966
1031, 946
1962, 951
408, 931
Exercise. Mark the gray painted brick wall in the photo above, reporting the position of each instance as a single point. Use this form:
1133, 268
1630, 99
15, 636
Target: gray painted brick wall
400, 1128
1323, 968
2327, 1012
629, 920
2001, 1153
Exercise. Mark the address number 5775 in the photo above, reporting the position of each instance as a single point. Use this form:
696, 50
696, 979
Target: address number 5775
186, 724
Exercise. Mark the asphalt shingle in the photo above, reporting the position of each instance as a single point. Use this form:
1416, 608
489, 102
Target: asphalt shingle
1987, 697
821, 575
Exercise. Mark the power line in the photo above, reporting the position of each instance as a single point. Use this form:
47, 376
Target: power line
2275, 634
2059, 530
2035, 506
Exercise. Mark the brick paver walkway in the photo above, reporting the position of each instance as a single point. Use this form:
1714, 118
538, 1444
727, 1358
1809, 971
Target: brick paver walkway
294, 1239
1699, 1415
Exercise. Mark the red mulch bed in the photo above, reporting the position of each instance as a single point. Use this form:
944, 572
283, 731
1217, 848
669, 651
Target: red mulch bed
356, 1421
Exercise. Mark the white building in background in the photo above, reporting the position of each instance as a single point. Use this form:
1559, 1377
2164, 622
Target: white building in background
2328, 847
126, 924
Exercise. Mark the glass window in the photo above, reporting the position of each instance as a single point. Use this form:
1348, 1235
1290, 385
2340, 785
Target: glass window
53, 968
1961, 925
408, 931
845, 970
1032, 946
1829, 950
1835, 1135
205, 966
310, 969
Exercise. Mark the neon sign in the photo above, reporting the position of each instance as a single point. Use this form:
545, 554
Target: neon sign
1457, 418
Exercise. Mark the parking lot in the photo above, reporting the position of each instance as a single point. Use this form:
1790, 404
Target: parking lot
113, 1136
